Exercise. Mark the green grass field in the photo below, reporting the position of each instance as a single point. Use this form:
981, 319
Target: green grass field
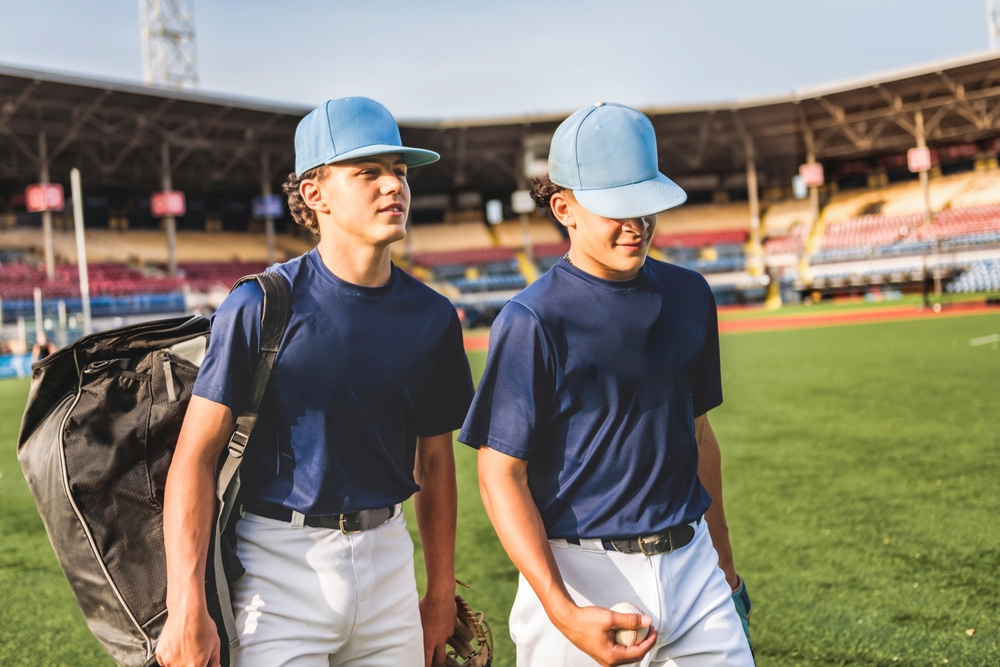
861, 467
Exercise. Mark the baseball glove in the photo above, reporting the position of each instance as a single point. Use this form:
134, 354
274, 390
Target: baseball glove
471, 645
742, 601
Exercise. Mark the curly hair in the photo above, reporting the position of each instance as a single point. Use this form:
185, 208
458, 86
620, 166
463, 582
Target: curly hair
542, 189
301, 213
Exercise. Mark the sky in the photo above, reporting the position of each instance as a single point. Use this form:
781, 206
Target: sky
444, 59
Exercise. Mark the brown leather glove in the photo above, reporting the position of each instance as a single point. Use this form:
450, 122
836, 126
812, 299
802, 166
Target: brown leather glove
471, 645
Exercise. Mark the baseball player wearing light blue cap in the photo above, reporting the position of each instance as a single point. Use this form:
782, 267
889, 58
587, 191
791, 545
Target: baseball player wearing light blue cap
369, 382
597, 463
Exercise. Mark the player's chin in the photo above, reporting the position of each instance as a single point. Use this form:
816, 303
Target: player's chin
392, 232
630, 256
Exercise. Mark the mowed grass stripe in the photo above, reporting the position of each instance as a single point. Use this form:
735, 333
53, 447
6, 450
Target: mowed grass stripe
39, 621
847, 452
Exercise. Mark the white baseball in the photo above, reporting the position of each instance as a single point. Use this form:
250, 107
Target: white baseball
629, 637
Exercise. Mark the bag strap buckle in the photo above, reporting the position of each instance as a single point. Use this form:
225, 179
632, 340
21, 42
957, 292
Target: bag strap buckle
238, 442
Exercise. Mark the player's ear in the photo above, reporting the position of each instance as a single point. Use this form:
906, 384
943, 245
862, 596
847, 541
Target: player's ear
312, 195
562, 210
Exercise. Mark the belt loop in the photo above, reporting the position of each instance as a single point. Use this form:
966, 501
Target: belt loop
298, 520
593, 546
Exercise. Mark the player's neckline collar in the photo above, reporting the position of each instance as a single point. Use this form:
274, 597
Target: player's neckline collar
616, 285
358, 290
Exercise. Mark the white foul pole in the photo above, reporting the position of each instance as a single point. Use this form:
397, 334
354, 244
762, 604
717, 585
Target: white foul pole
81, 248
993, 23
39, 317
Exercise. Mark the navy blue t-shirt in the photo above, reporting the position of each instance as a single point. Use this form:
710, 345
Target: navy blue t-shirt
596, 384
361, 373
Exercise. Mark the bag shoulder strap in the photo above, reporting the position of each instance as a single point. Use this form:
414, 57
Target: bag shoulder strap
275, 314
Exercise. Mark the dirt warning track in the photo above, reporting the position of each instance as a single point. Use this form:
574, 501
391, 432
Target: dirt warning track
784, 322
478, 340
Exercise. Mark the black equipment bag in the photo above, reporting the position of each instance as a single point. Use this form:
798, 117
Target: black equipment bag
96, 441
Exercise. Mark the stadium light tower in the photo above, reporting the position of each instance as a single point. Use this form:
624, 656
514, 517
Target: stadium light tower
169, 57
993, 22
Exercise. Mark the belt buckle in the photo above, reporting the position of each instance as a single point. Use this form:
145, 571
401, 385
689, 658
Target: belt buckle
343, 527
655, 539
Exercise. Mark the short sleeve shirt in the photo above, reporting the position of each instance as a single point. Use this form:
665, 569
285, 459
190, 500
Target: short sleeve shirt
596, 384
360, 374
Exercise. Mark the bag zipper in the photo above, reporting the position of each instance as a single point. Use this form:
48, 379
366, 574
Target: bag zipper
168, 376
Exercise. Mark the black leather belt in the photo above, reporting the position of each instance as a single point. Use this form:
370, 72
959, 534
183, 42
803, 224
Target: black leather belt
663, 542
349, 524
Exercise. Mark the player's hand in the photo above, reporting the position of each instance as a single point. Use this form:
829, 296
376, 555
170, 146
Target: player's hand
592, 630
189, 640
438, 620
742, 601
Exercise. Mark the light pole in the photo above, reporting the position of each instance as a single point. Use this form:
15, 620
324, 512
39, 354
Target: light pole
81, 248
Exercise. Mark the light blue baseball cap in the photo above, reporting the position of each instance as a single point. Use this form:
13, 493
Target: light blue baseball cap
606, 154
348, 128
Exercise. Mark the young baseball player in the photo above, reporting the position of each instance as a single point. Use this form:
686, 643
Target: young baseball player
369, 383
597, 463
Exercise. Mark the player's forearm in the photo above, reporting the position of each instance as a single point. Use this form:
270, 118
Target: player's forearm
189, 502
436, 509
187, 525
710, 475
518, 524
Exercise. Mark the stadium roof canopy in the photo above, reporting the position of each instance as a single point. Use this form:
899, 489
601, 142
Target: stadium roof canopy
116, 132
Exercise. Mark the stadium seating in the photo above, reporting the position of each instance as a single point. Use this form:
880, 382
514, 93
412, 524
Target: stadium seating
954, 224
491, 283
907, 197
860, 237
542, 231
781, 216
548, 254
699, 218
983, 189
982, 276
551, 249
464, 257
205, 276
438, 238
883, 235
18, 281
701, 239
150, 246
793, 242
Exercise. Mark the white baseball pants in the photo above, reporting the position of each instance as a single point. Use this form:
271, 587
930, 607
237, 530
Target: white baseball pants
315, 597
684, 593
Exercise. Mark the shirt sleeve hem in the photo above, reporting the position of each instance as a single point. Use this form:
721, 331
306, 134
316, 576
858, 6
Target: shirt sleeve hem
476, 441
700, 410
441, 427
212, 393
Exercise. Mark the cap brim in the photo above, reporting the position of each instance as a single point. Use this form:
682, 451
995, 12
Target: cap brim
633, 201
414, 157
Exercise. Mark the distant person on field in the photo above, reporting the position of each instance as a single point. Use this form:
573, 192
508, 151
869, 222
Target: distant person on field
368, 385
42, 348
597, 464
